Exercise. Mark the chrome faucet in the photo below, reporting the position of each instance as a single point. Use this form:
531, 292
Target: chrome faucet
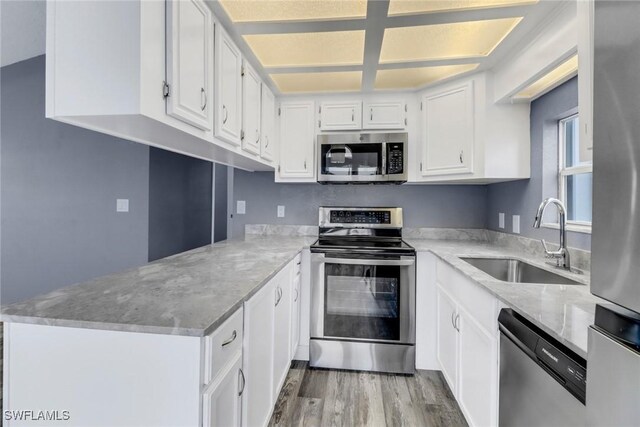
561, 255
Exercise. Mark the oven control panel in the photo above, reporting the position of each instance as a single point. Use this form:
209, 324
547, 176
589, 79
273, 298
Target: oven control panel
360, 217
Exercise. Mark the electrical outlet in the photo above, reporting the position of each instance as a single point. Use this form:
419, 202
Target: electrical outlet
516, 224
241, 207
280, 211
122, 205
501, 220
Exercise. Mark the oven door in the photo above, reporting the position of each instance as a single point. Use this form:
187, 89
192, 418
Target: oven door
368, 299
352, 162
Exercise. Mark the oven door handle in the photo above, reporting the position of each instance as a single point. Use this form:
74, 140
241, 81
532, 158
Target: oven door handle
348, 261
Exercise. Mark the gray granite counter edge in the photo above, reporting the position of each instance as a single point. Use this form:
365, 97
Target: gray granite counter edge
151, 329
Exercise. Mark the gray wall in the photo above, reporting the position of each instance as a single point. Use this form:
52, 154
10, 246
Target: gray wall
221, 195
523, 197
424, 205
180, 196
59, 186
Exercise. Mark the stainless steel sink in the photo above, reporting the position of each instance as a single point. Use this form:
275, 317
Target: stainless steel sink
516, 271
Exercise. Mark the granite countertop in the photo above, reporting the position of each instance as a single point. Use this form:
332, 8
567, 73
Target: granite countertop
563, 311
186, 294
194, 292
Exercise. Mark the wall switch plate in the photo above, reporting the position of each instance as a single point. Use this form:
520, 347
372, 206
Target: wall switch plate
501, 220
122, 205
280, 211
516, 224
241, 209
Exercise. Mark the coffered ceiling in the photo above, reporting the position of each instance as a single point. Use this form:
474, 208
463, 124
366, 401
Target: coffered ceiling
308, 46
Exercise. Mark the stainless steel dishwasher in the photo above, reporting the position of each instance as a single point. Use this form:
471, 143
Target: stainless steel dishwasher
542, 382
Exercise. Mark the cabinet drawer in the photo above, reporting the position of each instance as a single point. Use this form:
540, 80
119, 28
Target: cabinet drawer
478, 302
222, 345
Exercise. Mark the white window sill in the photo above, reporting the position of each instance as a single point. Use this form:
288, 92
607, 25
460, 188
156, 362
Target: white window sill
578, 228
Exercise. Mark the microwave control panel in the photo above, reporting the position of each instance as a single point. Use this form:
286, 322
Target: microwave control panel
395, 158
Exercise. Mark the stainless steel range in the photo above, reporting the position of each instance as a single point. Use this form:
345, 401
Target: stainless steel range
363, 284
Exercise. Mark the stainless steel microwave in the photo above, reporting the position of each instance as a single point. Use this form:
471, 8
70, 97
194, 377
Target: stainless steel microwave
362, 158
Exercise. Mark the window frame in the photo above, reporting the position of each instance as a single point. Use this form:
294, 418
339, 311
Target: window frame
564, 172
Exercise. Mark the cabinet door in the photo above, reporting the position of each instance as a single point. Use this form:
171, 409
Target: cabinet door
384, 115
190, 62
251, 86
282, 331
447, 338
295, 315
228, 88
448, 137
258, 399
341, 115
268, 118
478, 372
222, 400
297, 140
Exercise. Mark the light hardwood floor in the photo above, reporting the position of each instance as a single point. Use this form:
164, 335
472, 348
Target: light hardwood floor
322, 397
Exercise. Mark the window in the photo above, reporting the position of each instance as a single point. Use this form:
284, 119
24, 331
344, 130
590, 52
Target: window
575, 176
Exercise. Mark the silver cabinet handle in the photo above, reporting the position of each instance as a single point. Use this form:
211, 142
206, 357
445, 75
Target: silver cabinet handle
296, 298
226, 114
233, 337
305, 164
461, 156
278, 295
241, 378
353, 115
257, 136
453, 321
457, 322
371, 114
266, 141
203, 94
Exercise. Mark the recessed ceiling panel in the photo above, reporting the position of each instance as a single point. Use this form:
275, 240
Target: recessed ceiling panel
308, 49
292, 10
445, 41
558, 75
407, 78
413, 7
344, 81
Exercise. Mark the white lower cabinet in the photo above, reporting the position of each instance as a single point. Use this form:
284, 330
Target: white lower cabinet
447, 338
268, 325
282, 329
295, 313
221, 404
468, 345
258, 356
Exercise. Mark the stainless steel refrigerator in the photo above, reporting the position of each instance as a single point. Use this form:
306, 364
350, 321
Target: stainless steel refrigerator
613, 364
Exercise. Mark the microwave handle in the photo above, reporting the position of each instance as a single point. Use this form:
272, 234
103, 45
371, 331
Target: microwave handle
384, 158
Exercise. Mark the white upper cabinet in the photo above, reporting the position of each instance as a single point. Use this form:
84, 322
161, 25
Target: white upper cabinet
341, 115
448, 138
107, 62
384, 115
268, 125
228, 78
297, 142
251, 87
190, 62
463, 136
